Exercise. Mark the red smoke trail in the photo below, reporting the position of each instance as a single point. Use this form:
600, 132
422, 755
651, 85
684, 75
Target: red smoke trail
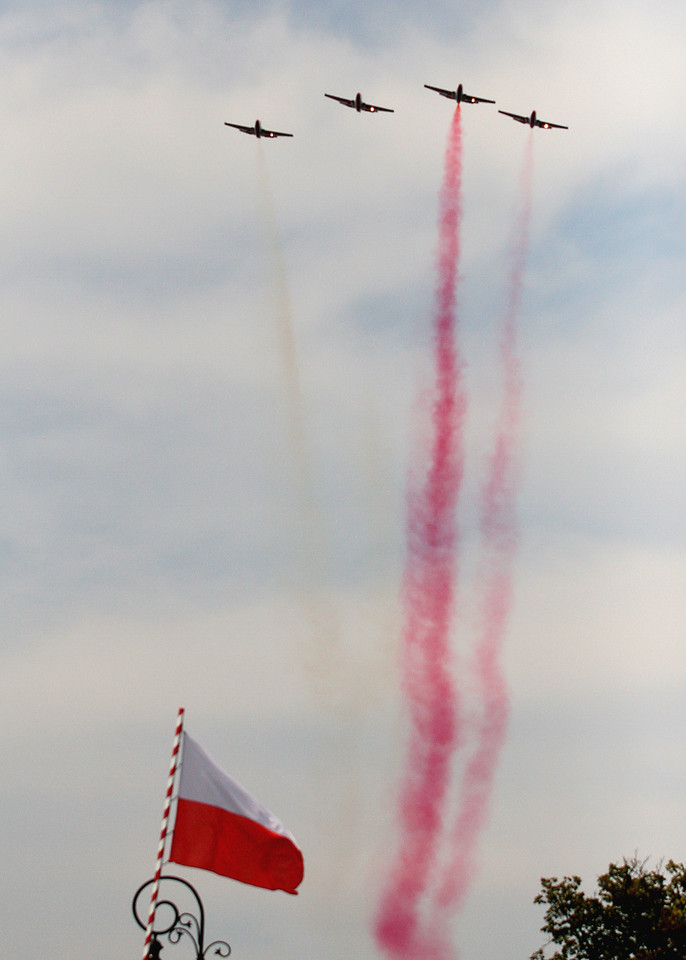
499, 532
428, 601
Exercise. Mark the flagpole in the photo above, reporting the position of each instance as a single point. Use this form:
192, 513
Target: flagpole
163, 832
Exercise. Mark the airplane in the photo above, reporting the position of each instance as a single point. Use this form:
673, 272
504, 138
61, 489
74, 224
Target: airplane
359, 104
533, 121
457, 95
257, 131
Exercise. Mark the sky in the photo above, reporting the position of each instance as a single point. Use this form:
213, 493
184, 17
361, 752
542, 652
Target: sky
213, 354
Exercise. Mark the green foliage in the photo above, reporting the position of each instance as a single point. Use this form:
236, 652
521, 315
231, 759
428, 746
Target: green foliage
636, 914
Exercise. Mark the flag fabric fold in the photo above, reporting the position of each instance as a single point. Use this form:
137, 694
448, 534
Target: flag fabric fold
220, 827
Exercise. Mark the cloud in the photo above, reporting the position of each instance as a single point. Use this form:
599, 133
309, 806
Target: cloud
149, 518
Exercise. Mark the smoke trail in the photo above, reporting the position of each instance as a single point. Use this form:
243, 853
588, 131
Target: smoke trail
313, 551
285, 337
499, 533
325, 661
428, 602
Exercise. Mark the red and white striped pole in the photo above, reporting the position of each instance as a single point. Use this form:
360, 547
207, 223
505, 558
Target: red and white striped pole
163, 831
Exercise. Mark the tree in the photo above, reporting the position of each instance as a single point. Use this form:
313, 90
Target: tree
636, 914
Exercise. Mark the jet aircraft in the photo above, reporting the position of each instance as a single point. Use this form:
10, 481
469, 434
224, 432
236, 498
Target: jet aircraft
257, 131
458, 95
533, 120
359, 104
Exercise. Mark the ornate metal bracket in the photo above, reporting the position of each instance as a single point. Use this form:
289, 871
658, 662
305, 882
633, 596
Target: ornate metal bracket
180, 923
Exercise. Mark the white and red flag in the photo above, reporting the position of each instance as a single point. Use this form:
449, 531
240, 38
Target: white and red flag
220, 827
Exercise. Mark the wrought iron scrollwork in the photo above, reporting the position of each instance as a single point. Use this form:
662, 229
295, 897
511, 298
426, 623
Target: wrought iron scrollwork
177, 924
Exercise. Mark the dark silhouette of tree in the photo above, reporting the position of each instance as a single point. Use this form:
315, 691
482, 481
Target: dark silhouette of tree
636, 914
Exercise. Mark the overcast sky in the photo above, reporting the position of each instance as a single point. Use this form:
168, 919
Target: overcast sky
186, 524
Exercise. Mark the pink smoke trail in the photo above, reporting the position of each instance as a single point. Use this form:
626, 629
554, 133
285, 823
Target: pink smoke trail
428, 601
499, 532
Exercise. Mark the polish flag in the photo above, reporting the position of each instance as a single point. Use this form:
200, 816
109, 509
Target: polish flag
220, 827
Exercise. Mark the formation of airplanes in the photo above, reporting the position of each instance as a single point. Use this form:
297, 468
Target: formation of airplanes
358, 104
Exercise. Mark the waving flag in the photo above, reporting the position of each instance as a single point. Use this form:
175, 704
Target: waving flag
220, 827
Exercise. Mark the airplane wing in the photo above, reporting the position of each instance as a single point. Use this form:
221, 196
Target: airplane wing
515, 116
370, 108
274, 133
476, 99
545, 125
444, 93
239, 126
347, 103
